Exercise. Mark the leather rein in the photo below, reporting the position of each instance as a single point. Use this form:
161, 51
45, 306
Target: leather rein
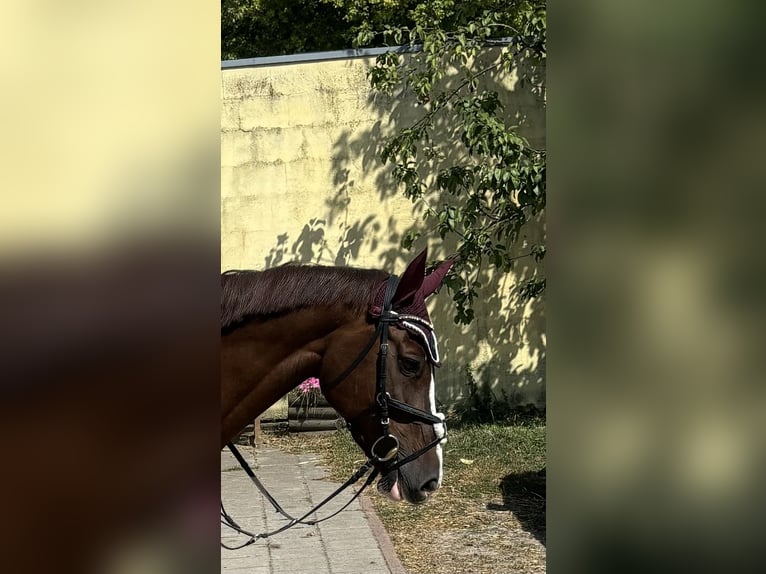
384, 451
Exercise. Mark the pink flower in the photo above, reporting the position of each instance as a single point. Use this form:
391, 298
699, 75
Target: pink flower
309, 385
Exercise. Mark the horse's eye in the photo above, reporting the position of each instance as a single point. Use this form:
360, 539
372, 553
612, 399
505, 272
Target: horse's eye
410, 367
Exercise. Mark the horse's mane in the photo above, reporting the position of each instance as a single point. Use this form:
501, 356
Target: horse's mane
250, 294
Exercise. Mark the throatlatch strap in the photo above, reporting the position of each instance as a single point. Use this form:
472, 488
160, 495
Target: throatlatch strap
379, 329
357, 361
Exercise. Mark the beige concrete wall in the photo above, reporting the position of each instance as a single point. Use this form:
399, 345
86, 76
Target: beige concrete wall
300, 181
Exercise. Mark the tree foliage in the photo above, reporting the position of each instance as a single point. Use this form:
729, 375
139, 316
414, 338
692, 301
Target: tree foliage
483, 183
253, 28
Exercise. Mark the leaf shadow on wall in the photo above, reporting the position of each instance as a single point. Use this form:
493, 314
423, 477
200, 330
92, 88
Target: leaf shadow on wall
506, 341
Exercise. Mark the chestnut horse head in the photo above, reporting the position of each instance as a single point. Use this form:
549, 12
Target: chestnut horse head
365, 335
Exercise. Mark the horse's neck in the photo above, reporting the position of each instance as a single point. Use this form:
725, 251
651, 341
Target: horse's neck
263, 360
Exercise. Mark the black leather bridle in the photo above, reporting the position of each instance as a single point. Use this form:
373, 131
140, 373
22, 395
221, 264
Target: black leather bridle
386, 448
384, 452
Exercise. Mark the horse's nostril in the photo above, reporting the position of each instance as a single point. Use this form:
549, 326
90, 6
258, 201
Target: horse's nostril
430, 486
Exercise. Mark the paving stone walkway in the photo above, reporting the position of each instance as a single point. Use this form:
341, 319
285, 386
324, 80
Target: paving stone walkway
353, 542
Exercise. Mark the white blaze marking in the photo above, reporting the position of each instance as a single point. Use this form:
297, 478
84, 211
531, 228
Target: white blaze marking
438, 429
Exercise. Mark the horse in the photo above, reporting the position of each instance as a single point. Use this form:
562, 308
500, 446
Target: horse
283, 325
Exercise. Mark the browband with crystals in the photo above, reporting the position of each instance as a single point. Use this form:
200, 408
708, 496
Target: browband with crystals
424, 331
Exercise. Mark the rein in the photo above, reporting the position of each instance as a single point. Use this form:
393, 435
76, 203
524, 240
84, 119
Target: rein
384, 450
227, 520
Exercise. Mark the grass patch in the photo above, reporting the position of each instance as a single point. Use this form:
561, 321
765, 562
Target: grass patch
489, 511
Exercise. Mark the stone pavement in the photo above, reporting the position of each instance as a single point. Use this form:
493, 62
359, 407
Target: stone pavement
353, 542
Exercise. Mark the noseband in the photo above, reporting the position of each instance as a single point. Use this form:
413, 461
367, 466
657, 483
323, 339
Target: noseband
385, 450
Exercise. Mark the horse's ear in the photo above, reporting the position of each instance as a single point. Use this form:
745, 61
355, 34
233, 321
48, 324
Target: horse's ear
434, 279
411, 280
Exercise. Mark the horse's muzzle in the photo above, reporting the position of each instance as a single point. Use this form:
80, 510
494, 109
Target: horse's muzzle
396, 488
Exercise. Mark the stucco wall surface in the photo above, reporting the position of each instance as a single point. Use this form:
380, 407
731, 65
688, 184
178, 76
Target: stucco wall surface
300, 181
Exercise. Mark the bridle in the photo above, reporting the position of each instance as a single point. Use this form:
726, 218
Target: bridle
386, 448
384, 452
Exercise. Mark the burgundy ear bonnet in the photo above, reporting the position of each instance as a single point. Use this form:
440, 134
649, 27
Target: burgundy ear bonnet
409, 301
